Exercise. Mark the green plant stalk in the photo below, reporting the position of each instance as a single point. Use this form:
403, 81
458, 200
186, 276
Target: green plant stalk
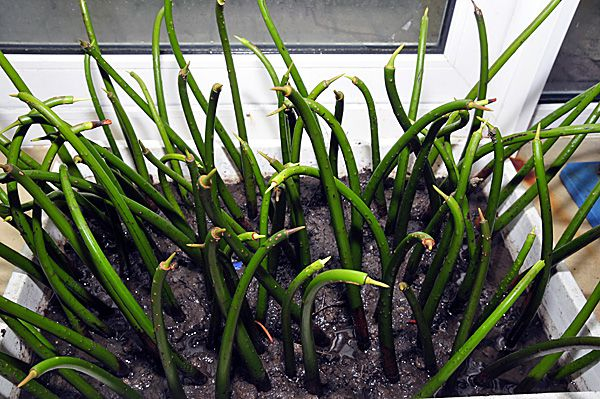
431, 387
219, 218
299, 126
356, 223
222, 379
20, 85
384, 304
404, 121
262, 303
285, 175
254, 168
147, 188
374, 128
85, 367
45, 350
510, 276
160, 333
422, 328
158, 85
547, 241
333, 143
312, 381
335, 208
544, 366
94, 52
490, 212
24, 264
466, 323
129, 135
249, 179
546, 348
65, 296
98, 107
154, 114
578, 366
90, 156
550, 173
284, 136
12, 370
386, 163
419, 67
568, 249
177, 177
244, 344
286, 317
449, 238
445, 272
34, 117
510, 187
79, 341
281, 48
225, 139
408, 196
188, 112
209, 130
483, 65
54, 213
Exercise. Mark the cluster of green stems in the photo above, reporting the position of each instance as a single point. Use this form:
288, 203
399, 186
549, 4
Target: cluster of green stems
123, 198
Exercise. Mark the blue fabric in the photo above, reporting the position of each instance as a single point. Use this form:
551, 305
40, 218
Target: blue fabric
579, 178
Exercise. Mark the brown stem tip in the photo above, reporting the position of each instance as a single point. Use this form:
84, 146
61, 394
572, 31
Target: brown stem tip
286, 90
32, 374
428, 243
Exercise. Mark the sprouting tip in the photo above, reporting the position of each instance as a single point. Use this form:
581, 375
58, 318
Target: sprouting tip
77, 159
370, 281
14, 95
6, 167
390, 63
426, 12
537, 132
271, 187
217, 232
256, 236
143, 147
77, 100
481, 215
205, 181
440, 192
492, 100
8, 219
286, 90
325, 260
428, 243
278, 110
32, 374
217, 87
265, 156
339, 95
289, 232
221, 2
403, 286
532, 230
328, 82
183, 72
168, 264
195, 245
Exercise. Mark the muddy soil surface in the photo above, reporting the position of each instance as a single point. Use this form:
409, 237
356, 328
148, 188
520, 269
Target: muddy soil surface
346, 371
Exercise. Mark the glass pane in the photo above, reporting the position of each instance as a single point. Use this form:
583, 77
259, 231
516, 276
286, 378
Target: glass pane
578, 63
306, 22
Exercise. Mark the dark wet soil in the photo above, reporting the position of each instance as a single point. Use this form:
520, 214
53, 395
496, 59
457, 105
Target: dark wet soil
346, 371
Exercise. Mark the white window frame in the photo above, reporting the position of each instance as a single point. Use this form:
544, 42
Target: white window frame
449, 74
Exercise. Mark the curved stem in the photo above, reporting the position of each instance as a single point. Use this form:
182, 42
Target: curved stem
85, 367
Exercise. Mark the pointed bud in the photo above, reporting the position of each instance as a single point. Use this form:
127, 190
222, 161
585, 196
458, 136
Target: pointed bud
370, 281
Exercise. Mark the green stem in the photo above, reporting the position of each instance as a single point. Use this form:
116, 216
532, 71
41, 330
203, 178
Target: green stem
422, 328
160, 332
85, 367
554, 346
286, 316
335, 208
158, 85
223, 387
508, 279
435, 383
12, 370
547, 242
249, 179
312, 381
333, 142
188, 112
